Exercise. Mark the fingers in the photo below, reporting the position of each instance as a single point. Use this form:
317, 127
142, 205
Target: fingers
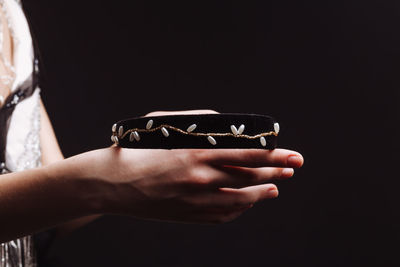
253, 157
210, 177
236, 177
250, 194
229, 198
225, 204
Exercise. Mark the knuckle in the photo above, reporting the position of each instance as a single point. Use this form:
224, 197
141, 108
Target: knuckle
276, 173
186, 157
284, 173
200, 155
193, 174
200, 181
279, 173
199, 177
254, 177
192, 156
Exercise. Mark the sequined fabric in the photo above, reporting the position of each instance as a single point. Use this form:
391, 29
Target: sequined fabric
18, 252
23, 142
21, 252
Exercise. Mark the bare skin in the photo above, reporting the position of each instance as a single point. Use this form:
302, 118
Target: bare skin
182, 185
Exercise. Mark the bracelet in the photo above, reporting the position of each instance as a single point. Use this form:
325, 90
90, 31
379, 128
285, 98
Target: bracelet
225, 130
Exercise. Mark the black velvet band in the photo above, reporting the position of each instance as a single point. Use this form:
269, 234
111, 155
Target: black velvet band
226, 130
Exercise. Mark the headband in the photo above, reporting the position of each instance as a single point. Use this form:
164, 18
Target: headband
225, 130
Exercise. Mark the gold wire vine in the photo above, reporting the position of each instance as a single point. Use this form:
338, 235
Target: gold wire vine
197, 134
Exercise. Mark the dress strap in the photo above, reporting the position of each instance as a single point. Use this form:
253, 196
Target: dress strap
23, 92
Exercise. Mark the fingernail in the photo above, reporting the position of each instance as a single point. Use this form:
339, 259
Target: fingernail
273, 192
287, 172
295, 161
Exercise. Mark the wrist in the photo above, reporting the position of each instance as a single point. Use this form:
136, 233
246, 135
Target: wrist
76, 180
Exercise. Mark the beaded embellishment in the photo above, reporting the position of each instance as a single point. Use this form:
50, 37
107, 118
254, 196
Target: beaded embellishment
211, 137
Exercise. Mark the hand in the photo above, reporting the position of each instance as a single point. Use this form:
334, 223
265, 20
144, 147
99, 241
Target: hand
189, 185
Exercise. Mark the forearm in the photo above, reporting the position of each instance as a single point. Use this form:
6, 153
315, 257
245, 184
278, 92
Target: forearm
36, 199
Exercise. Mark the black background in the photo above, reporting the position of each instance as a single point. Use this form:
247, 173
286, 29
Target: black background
327, 70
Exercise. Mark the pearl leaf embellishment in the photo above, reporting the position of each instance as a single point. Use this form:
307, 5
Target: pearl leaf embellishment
114, 139
263, 141
149, 124
234, 130
164, 131
136, 136
237, 131
191, 128
276, 127
241, 129
120, 131
212, 140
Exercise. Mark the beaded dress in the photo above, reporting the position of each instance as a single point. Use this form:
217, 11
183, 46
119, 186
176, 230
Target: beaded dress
20, 123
